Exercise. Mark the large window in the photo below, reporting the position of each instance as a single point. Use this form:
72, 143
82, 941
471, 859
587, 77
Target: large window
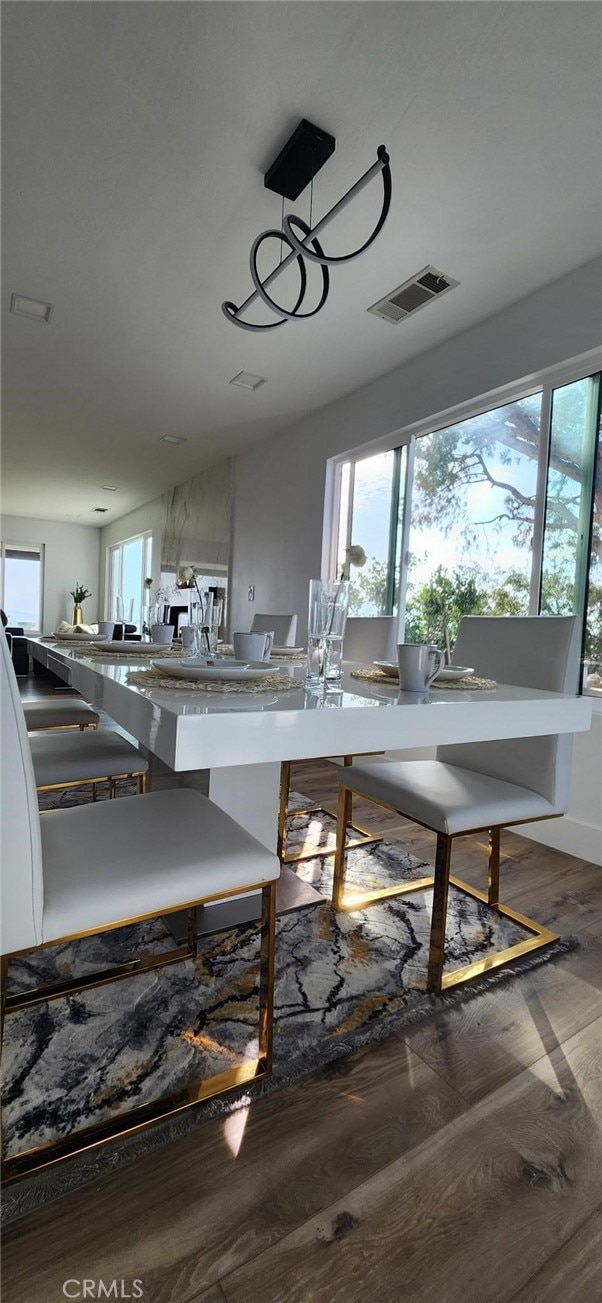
22, 585
490, 515
370, 519
471, 521
130, 563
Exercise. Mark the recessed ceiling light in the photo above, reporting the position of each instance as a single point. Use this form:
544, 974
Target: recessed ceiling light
24, 307
109, 488
247, 380
172, 438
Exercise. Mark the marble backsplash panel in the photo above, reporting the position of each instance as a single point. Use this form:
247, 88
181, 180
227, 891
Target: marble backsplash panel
197, 518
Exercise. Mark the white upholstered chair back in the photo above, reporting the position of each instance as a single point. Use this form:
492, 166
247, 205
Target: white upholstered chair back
372, 638
283, 626
530, 652
21, 878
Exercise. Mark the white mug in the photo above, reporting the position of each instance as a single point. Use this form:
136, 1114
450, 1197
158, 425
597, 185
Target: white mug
418, 666
162, 633
252, 646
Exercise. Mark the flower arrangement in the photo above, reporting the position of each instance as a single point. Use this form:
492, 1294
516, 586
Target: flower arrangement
79, 594
187, 578
354, 556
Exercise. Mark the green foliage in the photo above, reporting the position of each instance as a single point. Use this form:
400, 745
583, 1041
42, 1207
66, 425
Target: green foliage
79, 594
368, 589
435, 609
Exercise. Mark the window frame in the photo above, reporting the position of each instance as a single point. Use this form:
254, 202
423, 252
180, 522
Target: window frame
112, 548
38, 549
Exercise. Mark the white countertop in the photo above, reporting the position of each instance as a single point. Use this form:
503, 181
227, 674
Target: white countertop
194, 730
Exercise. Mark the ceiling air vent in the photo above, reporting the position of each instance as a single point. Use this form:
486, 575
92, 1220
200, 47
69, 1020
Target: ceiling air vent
100, 510
414, 294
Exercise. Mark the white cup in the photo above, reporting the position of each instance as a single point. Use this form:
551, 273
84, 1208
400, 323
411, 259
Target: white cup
106, 628
162, 633
418, 666
252, 646
187, 631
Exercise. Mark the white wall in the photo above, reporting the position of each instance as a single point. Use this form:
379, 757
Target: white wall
71, 555
580, 831
279, 484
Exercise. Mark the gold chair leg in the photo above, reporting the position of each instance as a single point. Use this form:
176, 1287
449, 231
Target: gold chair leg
266, 974
439, 916
112, 789
344, 816
142, 784
493, 876
285, 787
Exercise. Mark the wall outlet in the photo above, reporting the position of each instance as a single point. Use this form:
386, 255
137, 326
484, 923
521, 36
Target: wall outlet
251, 592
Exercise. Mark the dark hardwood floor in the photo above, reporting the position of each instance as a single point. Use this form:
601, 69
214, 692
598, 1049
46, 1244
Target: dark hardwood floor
459, 1162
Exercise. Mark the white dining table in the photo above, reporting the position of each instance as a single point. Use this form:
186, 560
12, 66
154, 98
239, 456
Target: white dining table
241, 740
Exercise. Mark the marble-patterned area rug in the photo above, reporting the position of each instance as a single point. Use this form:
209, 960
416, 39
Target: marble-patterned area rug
341, 981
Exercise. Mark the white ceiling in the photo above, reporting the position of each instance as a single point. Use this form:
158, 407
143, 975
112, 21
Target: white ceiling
135, 136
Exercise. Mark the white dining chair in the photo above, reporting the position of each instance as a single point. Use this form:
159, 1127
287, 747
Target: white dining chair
69, 712
70, 760
284, 628
476, 786
99, 867
371, 638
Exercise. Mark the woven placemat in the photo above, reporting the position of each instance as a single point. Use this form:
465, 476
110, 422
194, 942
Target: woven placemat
137, 649
269, 683
226, 649
468, 683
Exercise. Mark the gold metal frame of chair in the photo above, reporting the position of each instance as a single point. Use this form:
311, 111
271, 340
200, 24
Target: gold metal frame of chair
284, 814
437, 980
56, 728
113, 779
39, 1157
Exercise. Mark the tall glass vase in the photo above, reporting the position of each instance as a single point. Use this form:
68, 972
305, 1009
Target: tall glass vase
327, 618
205, 617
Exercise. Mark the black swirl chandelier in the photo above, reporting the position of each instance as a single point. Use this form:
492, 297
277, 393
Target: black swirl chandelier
296, 165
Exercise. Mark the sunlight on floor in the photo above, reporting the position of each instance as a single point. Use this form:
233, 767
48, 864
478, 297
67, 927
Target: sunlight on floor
234, 1129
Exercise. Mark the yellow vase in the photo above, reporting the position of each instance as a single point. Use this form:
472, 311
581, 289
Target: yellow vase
78, 615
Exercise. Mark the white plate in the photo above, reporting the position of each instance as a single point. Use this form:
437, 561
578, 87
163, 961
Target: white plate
228, 672
81, 637
448, 673
131, 648
454, 672
287, 651
388, 667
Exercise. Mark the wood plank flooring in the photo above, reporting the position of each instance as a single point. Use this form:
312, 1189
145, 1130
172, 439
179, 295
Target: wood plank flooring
459, 1162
